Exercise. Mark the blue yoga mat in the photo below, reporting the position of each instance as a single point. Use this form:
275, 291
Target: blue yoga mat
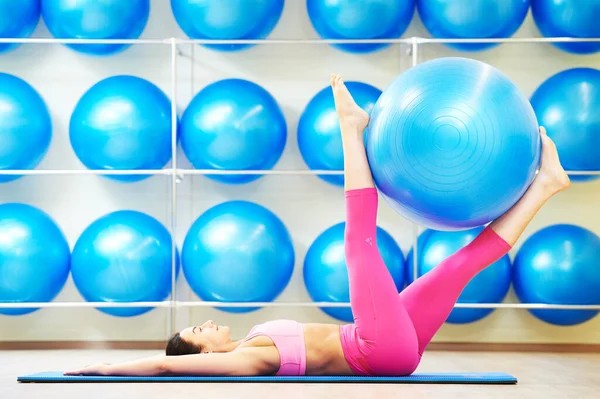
422, 378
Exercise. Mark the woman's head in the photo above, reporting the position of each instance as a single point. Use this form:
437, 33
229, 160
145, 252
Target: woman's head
206, 338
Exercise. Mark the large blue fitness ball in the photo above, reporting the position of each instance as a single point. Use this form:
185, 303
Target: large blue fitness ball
122, 123
227, 20
238, 251
568, 106
34, 257
124, 256
233, 124
489, 286
326, 273
472, 19
18, 19
569, 18
453, 144
360, 19
25, 126
94, 19
319, 136
559, 265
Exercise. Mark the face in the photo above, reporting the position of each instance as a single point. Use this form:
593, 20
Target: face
209, 336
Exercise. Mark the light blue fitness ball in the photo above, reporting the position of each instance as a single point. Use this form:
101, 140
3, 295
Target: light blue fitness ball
96, 19
25, 126
453, 144
227, 20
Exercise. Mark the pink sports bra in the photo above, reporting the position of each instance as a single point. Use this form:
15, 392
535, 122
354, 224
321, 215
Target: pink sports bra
288, 337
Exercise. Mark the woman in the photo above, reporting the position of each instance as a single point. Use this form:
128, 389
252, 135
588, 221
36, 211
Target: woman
390, 330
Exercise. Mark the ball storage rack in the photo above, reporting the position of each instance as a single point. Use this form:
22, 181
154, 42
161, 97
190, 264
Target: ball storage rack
177, 174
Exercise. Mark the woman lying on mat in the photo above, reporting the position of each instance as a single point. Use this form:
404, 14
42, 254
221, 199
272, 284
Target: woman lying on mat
390, 330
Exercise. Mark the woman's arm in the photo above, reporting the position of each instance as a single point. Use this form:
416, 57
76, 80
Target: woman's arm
238, 363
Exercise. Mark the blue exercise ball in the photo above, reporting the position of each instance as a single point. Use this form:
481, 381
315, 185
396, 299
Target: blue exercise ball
472, 19
122, 123
93, 19
238, 251
568, 105
559, 265
18, 19
34, 257
233, 124
124, 256
569, 18
453, 144
319, 136
25, 126
326, 273
489, 286
360, 19
227, 20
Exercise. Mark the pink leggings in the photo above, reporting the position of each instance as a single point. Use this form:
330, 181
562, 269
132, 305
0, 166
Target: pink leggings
391, 330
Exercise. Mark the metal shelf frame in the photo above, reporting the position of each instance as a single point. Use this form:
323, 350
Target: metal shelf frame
176, 174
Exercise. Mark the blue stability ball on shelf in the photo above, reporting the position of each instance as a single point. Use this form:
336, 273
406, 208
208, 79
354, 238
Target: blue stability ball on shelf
34, 257
124, 256
122, 123
559, 265
489, 286
238, 251
319, 136
472, 19
25, 126
453, 144
568, 106
360, 19
227, 20
18, 19
233, 124
569, 18
326, 273
93, 19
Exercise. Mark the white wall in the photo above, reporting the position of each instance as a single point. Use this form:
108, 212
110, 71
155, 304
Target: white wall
293, 74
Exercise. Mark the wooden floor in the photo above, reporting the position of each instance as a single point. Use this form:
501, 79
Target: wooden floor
548, 376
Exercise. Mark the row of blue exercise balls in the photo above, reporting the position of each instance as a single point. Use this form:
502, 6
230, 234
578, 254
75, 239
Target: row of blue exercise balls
236, 249
456, 19
565, 104
555, 265
125, 123
121, 256
76, 19
122, 122
239, 251
346, 19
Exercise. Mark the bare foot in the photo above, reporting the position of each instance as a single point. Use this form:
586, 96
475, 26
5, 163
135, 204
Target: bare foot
551, 172
349, 113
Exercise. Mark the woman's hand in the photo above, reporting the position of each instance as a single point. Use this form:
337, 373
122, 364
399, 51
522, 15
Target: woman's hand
94, 369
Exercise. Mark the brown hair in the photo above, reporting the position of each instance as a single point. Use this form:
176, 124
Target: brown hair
178, 346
